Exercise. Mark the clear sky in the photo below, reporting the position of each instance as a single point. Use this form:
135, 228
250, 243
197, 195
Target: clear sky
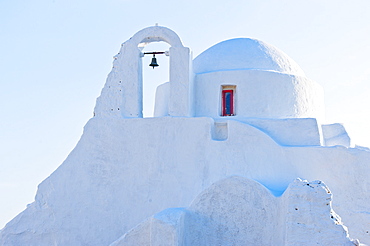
55, 56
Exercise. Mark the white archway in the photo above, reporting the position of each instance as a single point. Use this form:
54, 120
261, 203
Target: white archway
180, 79
156, 34
122, 95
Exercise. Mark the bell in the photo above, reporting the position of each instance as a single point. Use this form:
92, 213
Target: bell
154, 62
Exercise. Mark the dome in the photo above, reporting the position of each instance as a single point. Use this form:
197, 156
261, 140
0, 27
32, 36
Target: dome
245, 54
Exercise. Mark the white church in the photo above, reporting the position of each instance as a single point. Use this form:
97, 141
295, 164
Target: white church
236, 154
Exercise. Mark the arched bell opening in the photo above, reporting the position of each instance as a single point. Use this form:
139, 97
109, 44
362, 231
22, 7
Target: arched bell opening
153, 76
123, 94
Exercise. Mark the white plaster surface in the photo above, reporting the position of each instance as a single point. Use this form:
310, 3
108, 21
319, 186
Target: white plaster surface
122, 95
126, 169
335, 134
268, 83
262, 94
162, 96
165, 228
301, 131
181, 82
245, 53
239, 211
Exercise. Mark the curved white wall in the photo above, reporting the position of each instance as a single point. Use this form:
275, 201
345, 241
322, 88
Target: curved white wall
261, 94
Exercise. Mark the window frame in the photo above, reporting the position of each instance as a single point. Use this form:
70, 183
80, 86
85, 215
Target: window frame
224, 90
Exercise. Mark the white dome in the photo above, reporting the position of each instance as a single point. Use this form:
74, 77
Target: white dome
245, 54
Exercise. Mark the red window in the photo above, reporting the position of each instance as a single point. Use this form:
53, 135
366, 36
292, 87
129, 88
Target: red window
227, 102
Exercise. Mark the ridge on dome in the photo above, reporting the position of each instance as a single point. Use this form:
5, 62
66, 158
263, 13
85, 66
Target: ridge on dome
245, 54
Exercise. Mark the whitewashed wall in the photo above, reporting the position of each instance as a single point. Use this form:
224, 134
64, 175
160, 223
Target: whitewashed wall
125, 168
261, 94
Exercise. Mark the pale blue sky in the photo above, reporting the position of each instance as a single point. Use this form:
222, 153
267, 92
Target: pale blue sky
55, 56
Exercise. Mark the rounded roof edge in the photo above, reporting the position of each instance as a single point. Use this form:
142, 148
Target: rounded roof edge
242, 54
156, 34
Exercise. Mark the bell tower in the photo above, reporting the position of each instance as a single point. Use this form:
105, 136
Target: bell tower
122, 95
